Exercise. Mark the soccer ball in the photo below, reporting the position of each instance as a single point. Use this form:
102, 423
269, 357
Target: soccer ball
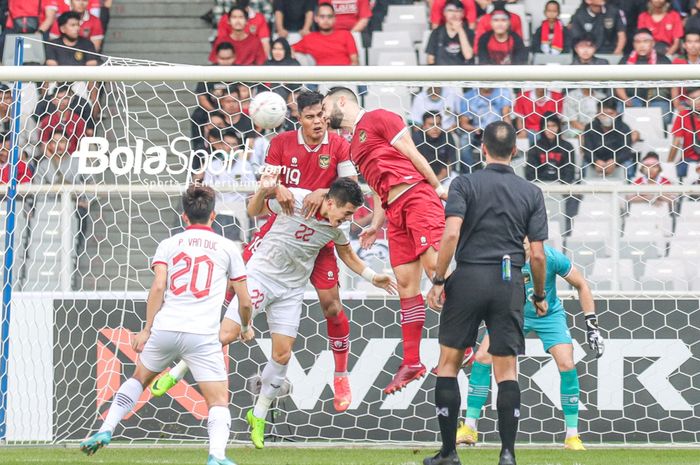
268, 110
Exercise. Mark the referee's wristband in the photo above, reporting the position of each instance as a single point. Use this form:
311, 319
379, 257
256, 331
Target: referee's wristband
368, 274
538, 298
440, 190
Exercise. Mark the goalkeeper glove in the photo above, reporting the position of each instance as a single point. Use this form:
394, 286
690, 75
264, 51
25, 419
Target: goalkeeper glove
595, 340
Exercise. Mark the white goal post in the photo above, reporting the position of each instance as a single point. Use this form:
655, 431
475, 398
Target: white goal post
81, 269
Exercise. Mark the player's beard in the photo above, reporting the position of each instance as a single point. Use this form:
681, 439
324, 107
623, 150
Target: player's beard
336, 119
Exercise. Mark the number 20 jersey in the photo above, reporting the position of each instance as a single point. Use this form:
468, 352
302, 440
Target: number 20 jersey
287, 253
200, 263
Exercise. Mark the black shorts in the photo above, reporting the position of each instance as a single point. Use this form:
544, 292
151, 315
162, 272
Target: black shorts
476, 293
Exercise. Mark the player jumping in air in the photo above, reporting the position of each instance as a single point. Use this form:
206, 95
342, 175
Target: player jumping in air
410, 194
556, 339
309, 158
279, 270
193, 270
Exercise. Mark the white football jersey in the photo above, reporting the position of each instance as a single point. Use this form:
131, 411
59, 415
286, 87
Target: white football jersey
287, 253
200, 264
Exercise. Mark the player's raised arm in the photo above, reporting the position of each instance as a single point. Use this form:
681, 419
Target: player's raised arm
153, 304
355, 263
585, 296
266, 189
405, 145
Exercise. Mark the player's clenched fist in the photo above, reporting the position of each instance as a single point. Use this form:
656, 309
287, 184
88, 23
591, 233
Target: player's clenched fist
248, 334
139, 340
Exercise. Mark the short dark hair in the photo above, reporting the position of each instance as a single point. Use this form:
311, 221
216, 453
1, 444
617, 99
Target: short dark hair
454, 3
690, 90
344, 190
329, 5
214, 134
243, 3
225, 46
198, 203
238, 8
340, 90
643, 30
218, 114
653, 155
550, 2
308, 98
610, 103
499, 139
67, 16
230, 132
429, 114
585, 38
690, 32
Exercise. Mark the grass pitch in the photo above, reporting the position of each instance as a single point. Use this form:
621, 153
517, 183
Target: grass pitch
342, 456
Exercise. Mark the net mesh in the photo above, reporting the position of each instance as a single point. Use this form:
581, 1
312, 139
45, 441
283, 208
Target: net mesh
84, 242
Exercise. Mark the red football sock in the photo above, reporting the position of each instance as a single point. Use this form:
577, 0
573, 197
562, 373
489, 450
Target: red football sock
412, 319
339, 340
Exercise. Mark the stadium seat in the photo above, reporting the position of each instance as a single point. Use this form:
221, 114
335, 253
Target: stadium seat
689, 253
612, 59
642, 241
397, 59
567, 11
687, 230
33, 49
305, 59
648, 121
659, 215
415, 30
594, 209
546, 59
406, 13
690, 211
555, 239
589, 241
602, 275
519, 10
392, 98
534, 8
420, 47
664, 274
399, 41
361, 50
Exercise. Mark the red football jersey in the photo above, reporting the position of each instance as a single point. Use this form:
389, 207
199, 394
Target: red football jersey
373, 152
310, 167
90, 26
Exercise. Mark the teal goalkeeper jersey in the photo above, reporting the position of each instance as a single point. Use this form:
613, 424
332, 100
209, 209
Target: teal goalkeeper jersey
558, 264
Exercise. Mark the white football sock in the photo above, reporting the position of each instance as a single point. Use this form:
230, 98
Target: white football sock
571, 432
180, 370
124, 401
219, 427
272, 378
470, 422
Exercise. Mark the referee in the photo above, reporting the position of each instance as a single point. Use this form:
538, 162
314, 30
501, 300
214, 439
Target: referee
489, 214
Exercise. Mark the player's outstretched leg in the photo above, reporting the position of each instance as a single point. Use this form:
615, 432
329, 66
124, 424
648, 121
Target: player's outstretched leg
412, 320
339, 342
165, 382
124, 401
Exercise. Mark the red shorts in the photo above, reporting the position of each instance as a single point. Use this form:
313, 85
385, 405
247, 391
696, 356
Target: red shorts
325, 272
416, 223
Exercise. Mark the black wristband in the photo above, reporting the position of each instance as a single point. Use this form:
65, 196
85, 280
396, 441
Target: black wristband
439, 281
591, 321
538, 298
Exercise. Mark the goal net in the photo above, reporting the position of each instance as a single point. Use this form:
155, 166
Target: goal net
609, 156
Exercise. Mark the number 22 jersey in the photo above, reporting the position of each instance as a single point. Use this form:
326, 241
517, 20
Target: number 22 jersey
200, 263
287, 253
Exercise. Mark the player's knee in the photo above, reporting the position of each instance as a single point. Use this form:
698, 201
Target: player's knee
281, 356
483, 357
331, 308
566, 365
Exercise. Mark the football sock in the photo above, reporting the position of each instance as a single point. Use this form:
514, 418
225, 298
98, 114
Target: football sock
479, 383
412, 319
272, 378
508, 404
569, 400
124, 401
219, 427
180, 370
447, 407
339, 340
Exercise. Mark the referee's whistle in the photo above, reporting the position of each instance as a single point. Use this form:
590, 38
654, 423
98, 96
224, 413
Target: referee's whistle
505, 268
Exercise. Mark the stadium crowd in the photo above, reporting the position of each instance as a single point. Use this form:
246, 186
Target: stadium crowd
565, 135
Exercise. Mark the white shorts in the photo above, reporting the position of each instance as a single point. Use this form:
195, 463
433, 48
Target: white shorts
201, 352
283, 306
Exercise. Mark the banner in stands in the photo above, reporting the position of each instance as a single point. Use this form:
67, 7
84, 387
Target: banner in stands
645, 388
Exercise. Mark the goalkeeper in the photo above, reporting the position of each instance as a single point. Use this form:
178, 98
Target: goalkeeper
556, 339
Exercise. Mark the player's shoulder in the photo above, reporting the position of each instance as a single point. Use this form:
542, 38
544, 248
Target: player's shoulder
299, 194
336, 140
380, 113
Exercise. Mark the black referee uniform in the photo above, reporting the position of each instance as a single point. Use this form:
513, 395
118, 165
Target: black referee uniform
499, 210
